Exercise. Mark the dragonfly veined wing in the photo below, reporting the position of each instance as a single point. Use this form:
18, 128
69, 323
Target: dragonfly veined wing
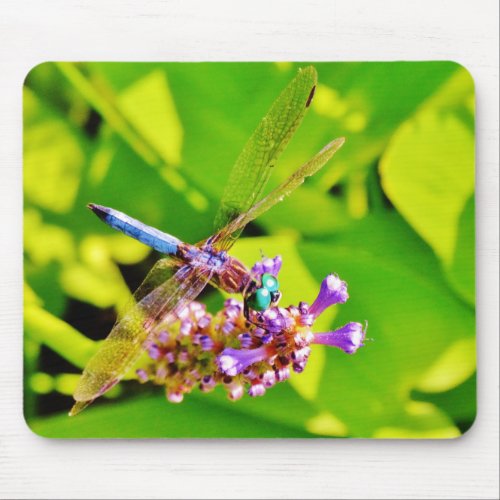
126, 341
293, 182
161, 272
254, 164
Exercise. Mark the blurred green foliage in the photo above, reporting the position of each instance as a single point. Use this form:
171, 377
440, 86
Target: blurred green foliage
392, 214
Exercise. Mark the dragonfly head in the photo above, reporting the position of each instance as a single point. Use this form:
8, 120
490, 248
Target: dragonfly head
263, 295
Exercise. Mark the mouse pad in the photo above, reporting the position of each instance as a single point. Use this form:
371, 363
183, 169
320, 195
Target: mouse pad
249, 250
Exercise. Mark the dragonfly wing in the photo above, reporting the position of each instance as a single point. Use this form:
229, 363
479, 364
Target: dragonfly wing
253, 167
128, 337
161, 272
277, 195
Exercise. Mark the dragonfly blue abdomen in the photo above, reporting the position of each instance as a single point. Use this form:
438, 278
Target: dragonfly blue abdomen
150, 236
227, 272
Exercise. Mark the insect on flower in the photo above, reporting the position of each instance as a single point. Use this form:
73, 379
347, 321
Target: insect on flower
201, 350
175, 281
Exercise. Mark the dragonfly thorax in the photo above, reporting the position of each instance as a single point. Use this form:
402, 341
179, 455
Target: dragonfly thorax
234, 276
227, 272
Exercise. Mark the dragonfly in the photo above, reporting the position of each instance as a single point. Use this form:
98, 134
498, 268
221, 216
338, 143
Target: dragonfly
178, 278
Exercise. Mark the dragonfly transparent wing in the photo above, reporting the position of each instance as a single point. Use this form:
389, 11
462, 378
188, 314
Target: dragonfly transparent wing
253, 167
284, 189
128, 337
161, 272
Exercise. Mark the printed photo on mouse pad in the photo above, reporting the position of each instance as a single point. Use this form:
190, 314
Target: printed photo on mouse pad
249, 250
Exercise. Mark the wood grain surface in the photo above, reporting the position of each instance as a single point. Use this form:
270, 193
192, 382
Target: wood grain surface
32, 32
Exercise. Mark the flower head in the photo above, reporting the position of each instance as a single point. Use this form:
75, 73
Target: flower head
234, 361
228, 349
349, 338
267, 265
333, 291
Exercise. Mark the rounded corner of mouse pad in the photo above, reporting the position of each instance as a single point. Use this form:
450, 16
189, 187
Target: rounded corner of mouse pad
249, 250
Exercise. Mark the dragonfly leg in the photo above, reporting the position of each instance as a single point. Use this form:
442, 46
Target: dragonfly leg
248, 316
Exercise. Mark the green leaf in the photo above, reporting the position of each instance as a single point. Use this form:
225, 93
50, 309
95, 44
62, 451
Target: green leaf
53, 157
428, 174
459, 403
46, 329
137, 136
366, 102
96, 279
154, 417
395, 285
455, 365
326, 424
130, 185
461, 270
149, 105
421, 421
303, 207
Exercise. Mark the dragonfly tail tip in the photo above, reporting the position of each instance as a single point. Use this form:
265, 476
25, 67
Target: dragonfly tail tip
99, 210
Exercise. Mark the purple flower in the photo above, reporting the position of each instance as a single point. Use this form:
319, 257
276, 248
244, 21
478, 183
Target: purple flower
268, 378
271, 266
186, 326
333, 291
301, 354
231, 302
275, 322
266, 338
154, 351
282, 374
175, 396
299, 367
207, 383
235, 391
163, 337
161, 373
227, 327
244, 354
233, 361
245, 340
142, 375
256, 389
206, 343
349, 338
204, 321
232, 311
183, 357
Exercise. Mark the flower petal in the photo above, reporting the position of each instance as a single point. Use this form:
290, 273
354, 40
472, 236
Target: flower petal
333, 291
233, 361
349, 338
267, 265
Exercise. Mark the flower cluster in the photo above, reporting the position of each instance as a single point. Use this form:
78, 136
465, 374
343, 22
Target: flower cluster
244, 354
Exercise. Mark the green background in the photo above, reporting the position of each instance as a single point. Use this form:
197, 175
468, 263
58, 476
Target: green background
392, 214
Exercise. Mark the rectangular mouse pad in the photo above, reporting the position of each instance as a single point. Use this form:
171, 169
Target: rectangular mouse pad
249, 250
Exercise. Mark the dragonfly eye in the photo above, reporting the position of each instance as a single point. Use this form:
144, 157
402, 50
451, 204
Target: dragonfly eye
260, 300
270, 282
